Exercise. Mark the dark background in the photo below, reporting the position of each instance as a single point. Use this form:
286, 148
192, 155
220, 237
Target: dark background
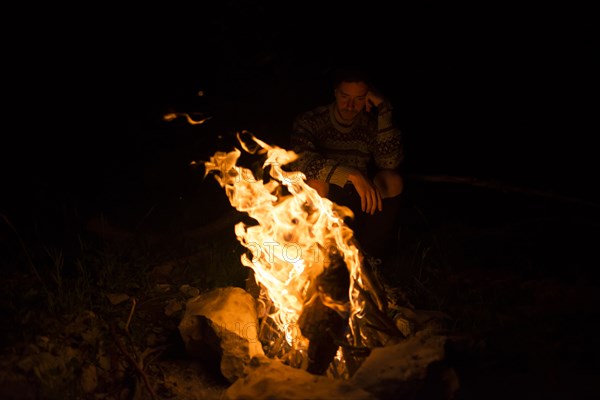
500, 94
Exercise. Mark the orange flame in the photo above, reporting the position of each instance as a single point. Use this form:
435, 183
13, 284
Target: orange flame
294, 234
174, 115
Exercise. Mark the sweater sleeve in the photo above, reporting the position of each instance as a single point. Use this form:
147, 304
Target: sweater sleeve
387, 149
313, 164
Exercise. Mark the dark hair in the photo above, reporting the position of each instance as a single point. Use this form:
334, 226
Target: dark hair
350, 73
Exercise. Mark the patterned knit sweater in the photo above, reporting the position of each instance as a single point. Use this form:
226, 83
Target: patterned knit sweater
326, 148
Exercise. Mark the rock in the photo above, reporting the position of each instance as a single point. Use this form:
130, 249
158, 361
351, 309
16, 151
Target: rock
265, 378
89, 379
408, 370
117, 298
222, 322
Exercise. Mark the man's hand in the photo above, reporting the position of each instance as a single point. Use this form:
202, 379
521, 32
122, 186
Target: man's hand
374, 99
370, 198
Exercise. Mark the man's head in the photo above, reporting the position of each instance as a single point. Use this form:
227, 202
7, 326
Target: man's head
351, 86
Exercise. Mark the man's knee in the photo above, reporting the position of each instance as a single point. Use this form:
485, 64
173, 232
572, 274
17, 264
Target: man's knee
389, 182
321, 187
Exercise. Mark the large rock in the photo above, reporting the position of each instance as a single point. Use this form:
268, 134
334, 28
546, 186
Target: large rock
411, 369
222, 323
267, 379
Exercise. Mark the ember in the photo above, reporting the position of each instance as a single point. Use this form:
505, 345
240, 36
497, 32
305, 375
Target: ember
322, 303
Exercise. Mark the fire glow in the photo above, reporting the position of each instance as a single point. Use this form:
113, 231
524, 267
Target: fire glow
296, 235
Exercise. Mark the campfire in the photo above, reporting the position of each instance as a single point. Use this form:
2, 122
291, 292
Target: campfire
322, 309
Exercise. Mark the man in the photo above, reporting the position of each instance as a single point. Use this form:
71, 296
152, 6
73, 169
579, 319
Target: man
351, 152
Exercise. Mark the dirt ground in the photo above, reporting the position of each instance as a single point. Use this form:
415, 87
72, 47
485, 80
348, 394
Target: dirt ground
514, 274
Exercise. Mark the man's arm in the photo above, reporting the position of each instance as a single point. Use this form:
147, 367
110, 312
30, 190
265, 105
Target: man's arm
311, 162
388, 152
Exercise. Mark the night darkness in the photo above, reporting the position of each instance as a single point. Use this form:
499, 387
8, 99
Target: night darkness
492, 94
503, 96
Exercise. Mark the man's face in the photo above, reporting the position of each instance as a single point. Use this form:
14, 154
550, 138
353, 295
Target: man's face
350, 99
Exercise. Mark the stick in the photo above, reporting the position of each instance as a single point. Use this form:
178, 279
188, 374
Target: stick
132, 361
133, 303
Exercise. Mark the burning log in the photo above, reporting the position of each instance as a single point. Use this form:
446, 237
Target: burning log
324, 317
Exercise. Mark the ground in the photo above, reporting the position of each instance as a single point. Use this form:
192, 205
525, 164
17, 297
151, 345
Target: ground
513, 274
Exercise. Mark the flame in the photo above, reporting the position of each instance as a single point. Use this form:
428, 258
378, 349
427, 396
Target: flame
296, 234
174, 115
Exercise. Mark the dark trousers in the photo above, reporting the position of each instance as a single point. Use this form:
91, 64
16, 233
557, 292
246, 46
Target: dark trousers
376, 234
